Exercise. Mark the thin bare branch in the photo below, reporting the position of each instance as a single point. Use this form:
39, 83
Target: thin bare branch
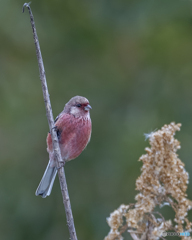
159, 215
134, 236
61, 172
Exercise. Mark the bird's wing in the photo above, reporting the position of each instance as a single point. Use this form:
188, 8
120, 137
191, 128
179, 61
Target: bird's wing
57, 118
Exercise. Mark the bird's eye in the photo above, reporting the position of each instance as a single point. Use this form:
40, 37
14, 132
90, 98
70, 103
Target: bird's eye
79, 105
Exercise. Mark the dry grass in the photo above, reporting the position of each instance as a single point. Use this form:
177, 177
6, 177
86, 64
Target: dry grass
163, 181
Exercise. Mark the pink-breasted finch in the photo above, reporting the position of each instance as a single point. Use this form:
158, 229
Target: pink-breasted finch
73, 127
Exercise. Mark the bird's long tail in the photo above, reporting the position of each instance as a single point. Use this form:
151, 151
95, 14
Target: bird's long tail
46, 184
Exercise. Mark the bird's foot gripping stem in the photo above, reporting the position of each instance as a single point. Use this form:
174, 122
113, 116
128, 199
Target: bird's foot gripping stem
61, 164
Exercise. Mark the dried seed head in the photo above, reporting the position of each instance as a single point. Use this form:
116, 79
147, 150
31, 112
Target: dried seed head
163, 181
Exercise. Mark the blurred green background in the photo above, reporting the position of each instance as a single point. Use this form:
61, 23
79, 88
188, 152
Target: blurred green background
133, 61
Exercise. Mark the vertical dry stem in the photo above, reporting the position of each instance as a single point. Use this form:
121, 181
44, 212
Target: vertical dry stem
61, 173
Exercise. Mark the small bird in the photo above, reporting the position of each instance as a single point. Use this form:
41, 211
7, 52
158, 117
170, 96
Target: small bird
73, 127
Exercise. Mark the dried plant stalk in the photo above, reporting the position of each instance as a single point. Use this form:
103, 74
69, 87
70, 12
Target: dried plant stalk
163, 181
57, 153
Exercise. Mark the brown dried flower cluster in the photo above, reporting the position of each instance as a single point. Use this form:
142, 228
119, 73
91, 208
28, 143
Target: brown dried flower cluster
163, 181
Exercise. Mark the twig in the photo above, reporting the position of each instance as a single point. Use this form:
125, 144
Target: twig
57, 153
159, 215
123, 229
163, 238
134, 236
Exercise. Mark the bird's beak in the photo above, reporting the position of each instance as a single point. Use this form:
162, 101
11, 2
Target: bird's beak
88, 107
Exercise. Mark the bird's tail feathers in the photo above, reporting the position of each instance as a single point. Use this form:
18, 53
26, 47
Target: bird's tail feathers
46, 184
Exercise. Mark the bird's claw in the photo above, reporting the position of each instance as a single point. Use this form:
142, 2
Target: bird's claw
61, 164
55, 127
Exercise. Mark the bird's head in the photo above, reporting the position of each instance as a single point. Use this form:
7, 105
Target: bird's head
78, 106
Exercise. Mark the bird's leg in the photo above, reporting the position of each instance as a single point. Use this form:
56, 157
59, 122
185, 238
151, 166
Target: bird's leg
61, 164
55, 128
58, 131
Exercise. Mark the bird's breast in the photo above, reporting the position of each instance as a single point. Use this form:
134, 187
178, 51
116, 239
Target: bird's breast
74, 135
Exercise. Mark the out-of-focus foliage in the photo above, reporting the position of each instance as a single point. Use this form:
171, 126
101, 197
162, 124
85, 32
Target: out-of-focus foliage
132, 60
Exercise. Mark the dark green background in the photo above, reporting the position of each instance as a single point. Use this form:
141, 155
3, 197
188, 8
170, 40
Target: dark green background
133, 61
